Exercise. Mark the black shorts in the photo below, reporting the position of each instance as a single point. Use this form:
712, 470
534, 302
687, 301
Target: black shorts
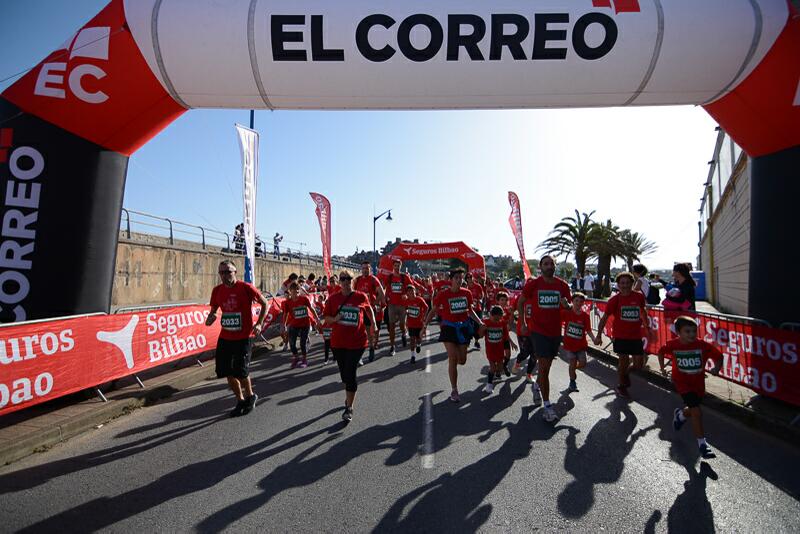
545, 346
367, 322
507, 345
692, 399
414, 332
448, 334
631, 347
233, 358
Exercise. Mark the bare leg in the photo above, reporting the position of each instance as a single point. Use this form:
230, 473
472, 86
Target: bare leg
349, 398
452, 364
544, 378
696, 417
573, 364
246, 386
622, 369
235, 387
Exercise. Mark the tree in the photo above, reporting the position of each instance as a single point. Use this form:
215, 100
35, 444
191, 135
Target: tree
516, 269
605, 244
571, 236
635, 246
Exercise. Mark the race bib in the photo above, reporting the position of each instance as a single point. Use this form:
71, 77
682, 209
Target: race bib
350, 315
630, 313
397, 287
575, 330
549, 299
326, 333
300, 312
413, 311
689, 361
494, 335
528, 312
231, 321
457, 304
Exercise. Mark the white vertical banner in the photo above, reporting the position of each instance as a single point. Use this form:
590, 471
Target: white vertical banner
248, 142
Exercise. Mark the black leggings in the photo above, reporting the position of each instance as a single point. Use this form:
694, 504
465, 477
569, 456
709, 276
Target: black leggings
475, 326
303, 333
525, 351
348, 359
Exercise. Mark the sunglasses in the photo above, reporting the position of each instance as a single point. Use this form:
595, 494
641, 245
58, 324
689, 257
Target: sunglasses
227, 272
345, 279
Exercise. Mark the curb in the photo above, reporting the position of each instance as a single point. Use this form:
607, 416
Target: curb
763, 423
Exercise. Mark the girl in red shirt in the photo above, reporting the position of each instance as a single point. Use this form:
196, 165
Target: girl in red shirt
577, 324
496, 338
298, 313
416, 309
628, 308
508, 316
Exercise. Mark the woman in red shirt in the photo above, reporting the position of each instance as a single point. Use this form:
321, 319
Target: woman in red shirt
297, 314
345, 311
454, 306
628, 308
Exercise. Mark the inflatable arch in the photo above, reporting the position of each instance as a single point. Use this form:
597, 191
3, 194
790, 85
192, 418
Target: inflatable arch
69, 125
434, 251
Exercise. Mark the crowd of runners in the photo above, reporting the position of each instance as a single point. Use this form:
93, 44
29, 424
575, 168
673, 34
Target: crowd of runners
546, 317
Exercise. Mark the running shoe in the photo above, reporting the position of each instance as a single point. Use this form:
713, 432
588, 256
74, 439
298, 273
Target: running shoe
477, 344
295, 363
530, 378
677, 422
454, 396
505, 369
361, 362
489, 388
549, 414
405, 341
573, 385
347, 414
622, 391
238, 410
249, 404
413, 358
419, 349
391, 351
371, 354
303, 364
537, 397
627, 380
517, 368
326, 361
706, 452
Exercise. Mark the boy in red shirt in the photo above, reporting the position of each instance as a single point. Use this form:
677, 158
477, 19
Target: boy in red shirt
577, 325
689, 356
297, 315
416, 309
508, 316
495, 331
477, 302
630, 320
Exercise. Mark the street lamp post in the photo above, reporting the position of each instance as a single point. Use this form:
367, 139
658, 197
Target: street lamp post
374, 249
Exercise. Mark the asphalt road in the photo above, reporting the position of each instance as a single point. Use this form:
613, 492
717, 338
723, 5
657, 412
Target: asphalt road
411, 461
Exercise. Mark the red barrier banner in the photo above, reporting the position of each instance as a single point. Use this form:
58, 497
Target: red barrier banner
758, 357
515, 220
40, 361
324, 215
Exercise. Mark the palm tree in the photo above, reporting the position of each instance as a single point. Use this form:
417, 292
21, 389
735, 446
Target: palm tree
605, 244
571, 236
636, 246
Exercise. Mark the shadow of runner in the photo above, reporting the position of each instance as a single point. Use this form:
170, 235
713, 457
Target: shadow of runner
601, 458
106, 511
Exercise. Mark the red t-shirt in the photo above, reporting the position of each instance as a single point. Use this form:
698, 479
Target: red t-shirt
452, 305
627, 311
416, 309
576, 326
236, 303
350, 331
477, 296
297, 312
395, 286
689, 363
427, 291
440, 285
333, 289
368, 284
546, 300
528, 310
495, 336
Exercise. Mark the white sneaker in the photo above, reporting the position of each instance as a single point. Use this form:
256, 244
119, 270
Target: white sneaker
537, 397
530, 378
549, 414
489, 388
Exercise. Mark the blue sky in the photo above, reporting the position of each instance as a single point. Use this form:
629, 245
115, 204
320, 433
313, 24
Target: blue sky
444, 174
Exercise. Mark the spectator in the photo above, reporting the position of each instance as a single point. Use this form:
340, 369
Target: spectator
276, 244
642, 283
238, 238
685, 283
589, 284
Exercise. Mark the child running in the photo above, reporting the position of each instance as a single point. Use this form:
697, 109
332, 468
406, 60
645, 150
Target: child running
416, 309
630, 316
297, 315
496, 335
508, 315
689, 356
576, 325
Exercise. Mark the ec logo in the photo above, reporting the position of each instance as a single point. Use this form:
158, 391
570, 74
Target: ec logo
89, 43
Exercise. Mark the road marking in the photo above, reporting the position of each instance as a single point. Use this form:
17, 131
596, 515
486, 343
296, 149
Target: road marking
427, 360
427, 433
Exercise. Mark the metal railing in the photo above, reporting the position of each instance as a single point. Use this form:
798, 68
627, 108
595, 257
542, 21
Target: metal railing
172, 229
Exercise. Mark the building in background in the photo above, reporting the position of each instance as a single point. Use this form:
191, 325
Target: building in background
724, 228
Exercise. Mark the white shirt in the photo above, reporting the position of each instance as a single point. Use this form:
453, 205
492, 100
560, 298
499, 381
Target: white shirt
645, 286
588, 282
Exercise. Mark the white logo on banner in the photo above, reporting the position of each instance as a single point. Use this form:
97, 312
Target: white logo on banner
89, 43
122, 339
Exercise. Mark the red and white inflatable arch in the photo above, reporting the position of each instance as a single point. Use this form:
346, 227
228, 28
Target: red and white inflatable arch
68, 126
434, 251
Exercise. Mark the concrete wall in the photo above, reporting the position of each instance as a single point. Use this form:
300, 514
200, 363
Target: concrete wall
726, 245
150, 271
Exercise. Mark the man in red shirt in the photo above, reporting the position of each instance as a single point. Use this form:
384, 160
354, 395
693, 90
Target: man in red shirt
628, 308
477, 297
548, 294
236, 299
345, 311
395, 284
689, 357
369, 284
